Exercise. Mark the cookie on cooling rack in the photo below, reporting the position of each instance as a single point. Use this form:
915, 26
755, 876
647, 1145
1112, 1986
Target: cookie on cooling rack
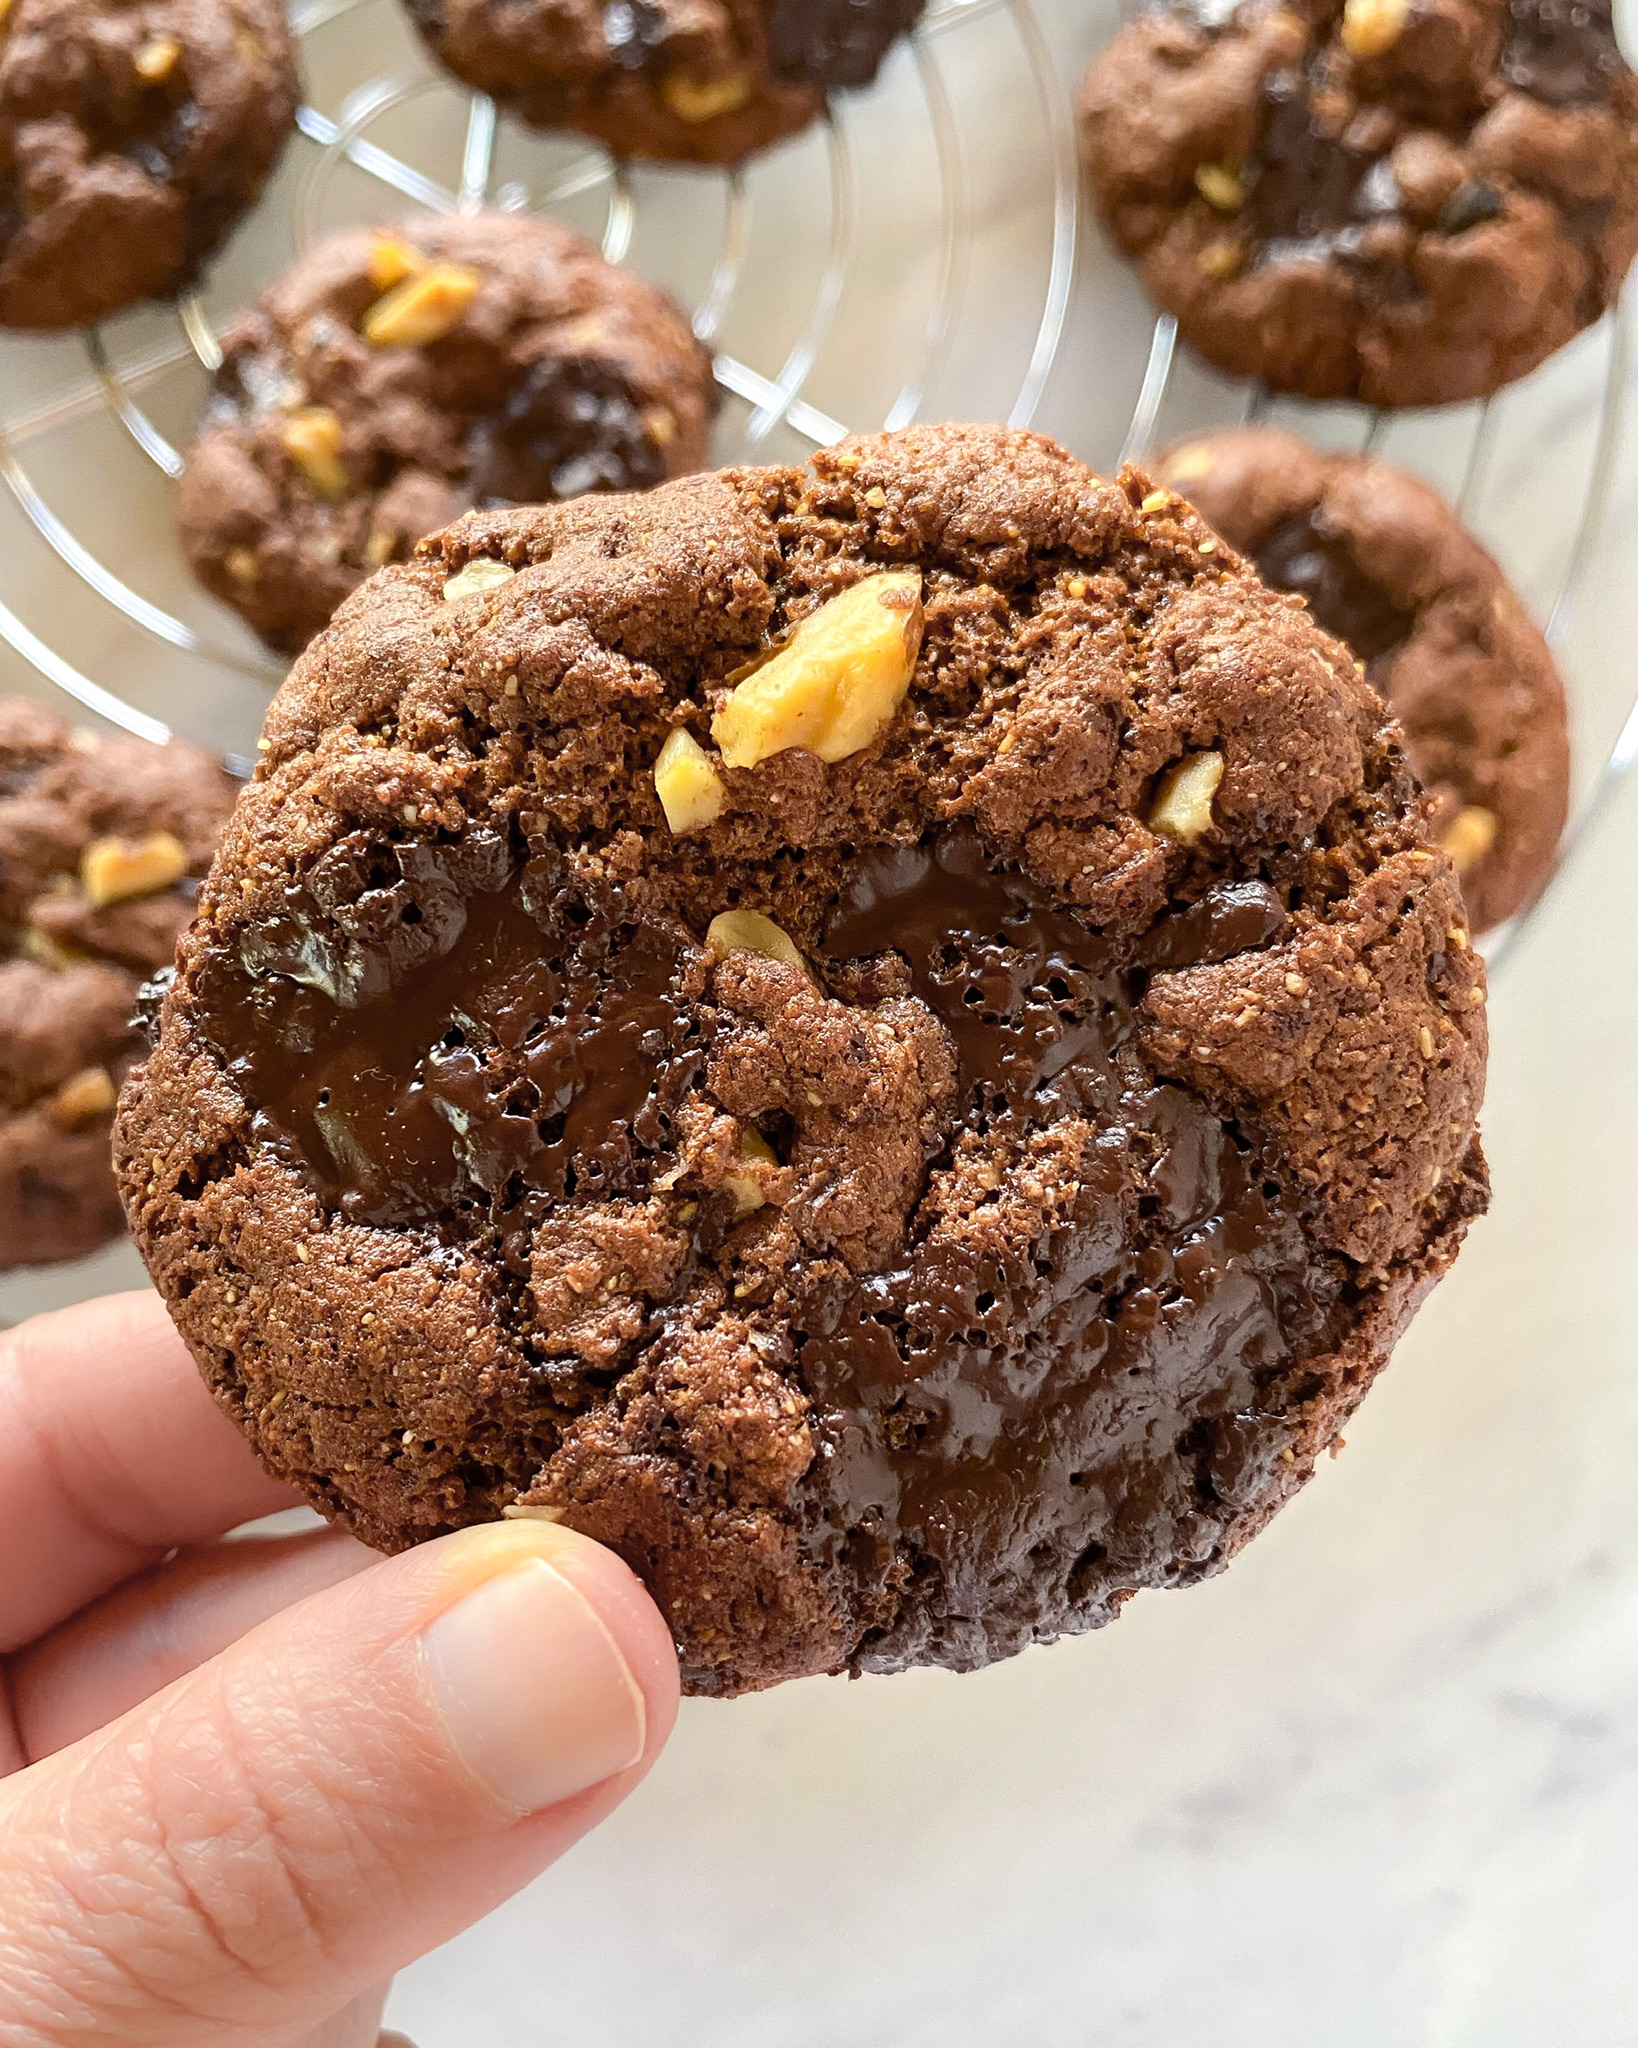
396, 376
100, 842
691, 81
132, 138
1387, 567
1406, 202
883, 1039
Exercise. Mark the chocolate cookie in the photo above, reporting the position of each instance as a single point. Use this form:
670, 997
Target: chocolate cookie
132, 138
395, 377
1401, 201
882, 1039
693, 81
1387, 567
100, 842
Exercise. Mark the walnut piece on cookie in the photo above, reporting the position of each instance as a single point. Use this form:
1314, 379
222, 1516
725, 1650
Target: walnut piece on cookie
1386, 565
101, 843
954, 1183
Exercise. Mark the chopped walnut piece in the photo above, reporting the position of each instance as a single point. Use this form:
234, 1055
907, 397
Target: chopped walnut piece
1470, 836
1182, 805
690, 100
834, 684
113, 870
423, 309
477, 577
748, 931
746, 1187
1371, 26
1221, 186
82, 1098
155, 59
312, 440
690, 790
392, 259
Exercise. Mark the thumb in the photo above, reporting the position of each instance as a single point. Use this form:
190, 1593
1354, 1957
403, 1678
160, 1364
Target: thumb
352, 1783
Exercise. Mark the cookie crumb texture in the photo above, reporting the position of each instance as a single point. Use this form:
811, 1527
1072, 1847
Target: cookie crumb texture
1387, 567
951, 1187
131, 141
1406, 202
101, 843
395, 376
691, 81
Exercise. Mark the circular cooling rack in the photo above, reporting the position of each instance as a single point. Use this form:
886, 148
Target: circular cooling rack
914, 256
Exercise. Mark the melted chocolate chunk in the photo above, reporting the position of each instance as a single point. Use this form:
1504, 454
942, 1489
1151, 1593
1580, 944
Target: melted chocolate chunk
1563, 51
835, 44
1153, 1313
571, 426
1307, 187
1302, 556
419, 1054
1232, 917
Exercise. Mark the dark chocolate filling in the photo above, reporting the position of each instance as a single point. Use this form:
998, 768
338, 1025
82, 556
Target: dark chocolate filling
1302, 556
439, 1037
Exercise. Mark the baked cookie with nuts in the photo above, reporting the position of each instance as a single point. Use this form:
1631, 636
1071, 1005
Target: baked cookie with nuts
886, 1039
690, 81
101, 844
395, 376
1386, 566
1405, 202
132, 139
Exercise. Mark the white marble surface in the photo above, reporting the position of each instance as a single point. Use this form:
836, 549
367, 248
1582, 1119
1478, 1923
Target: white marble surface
1378, 1786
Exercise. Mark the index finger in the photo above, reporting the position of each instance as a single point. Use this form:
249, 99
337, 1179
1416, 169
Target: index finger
111, 1452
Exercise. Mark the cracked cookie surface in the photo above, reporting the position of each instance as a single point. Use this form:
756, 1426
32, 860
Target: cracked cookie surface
1387, 566
905, 1202
690, 81
1407, 202
101, 843
132, 139
395, 376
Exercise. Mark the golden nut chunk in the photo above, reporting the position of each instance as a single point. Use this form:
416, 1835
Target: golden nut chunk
82, 1098
477, 577
1371, 26
392, 259
746, 1188
114, 870
243, 566
1225, 258
156, 59
1470, 836
380, 546
1220, 186
690, 790
46, 951
312, 440
748, 931
423, 309
1191, 462
691, 100
835, 683
1182, 806
527, 1511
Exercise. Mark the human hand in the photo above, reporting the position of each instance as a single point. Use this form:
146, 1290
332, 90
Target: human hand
242, 1783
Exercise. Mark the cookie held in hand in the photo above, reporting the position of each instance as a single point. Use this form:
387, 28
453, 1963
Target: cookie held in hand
1387, 567
884, 1039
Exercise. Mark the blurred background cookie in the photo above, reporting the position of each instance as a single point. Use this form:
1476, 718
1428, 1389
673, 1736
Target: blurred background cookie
396, 377
132, 138
693, 81
1406, 202
1387, 567
100, 843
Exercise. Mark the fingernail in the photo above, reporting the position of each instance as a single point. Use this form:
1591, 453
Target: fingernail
538, 1700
